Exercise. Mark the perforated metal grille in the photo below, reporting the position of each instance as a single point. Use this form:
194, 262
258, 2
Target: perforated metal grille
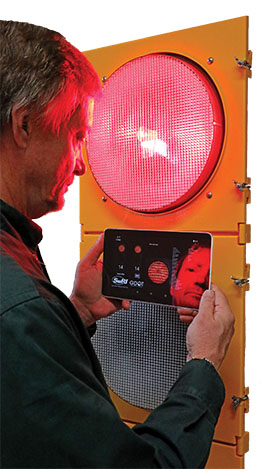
142, 352
157, 133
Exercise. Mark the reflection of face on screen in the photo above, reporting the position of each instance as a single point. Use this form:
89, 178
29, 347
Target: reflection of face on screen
191, 277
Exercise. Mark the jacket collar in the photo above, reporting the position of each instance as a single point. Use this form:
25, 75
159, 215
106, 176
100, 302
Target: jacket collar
11, 219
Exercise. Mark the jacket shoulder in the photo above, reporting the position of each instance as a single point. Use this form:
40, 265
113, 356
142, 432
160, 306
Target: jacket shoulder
16, 286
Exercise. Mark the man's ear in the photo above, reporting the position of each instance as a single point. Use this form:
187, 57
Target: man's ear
21, 124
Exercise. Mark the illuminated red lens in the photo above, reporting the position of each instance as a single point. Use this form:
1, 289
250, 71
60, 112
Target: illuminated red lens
157, 133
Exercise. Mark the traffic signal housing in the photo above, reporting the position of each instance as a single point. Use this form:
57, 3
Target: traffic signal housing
168, 151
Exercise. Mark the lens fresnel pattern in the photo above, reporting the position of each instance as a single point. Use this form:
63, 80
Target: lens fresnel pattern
157, 133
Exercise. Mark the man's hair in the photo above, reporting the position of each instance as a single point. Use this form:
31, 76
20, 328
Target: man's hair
41, 71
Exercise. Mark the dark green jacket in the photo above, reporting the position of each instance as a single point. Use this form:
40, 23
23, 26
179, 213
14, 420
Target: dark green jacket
55, 408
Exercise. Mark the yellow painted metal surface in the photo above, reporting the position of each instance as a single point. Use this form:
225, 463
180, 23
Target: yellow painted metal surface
226, 208
223, 456
230, 425
223, 214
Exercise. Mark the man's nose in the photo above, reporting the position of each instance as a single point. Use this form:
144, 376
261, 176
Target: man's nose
80, 166
201, 284
202, 280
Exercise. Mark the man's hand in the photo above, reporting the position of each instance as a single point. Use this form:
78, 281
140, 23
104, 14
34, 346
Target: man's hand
210, 333
86, 295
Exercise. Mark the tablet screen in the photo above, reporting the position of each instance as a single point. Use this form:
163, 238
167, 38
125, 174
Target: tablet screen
163, 267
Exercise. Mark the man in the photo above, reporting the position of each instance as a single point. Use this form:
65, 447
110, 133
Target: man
56, 410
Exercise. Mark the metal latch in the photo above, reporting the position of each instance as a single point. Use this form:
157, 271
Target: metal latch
237, 400
240, 281
243, 63
246, 63
242, 185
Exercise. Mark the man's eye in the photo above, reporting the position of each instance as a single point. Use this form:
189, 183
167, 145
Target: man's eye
80, 137
79, 140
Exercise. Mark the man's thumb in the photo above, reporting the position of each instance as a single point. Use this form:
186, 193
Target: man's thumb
207, 303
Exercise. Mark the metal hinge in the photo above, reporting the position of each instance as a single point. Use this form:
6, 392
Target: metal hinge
242, 444
244, 235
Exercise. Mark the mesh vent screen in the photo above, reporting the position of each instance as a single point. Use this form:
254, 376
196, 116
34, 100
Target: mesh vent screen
141, 352
157, 133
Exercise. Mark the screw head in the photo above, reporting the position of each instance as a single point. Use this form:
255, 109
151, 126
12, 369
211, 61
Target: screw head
104, 79
104, 198
210, 60
209, 195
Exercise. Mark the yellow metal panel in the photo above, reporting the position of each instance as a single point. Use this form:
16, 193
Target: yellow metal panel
243, 444
87, 242
228, 259
244, 233
224, 456
127, 411
227, 206
219, 208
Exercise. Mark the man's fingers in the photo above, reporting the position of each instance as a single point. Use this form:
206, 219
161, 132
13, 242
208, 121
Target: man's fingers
126, 304
186, 314
186, 319
222, 308
220, 298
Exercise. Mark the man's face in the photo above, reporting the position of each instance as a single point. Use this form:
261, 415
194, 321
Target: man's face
192, 278
54, 161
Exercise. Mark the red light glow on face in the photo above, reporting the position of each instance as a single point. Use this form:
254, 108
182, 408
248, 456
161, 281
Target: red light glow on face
157, 133
192, 279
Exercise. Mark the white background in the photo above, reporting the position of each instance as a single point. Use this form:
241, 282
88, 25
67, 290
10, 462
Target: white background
92, 24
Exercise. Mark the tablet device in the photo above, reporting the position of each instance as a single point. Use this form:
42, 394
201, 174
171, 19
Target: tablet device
163, 267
